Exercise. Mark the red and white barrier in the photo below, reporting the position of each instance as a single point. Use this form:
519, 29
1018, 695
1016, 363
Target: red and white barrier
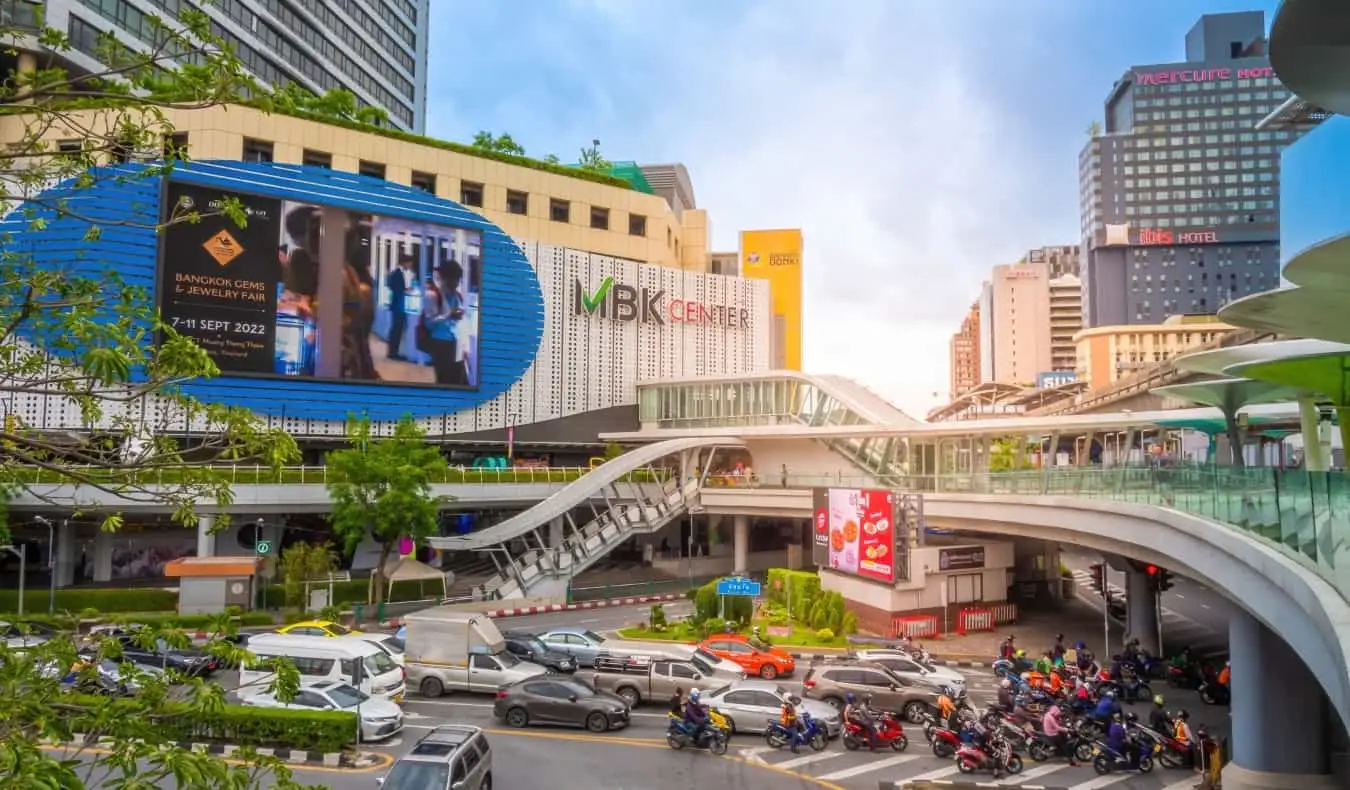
572, 607
922, 626
975, 620
1004, 613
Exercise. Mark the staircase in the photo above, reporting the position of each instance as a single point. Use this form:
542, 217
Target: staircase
544, 571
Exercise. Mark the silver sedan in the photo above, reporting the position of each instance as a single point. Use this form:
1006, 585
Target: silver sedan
750, 704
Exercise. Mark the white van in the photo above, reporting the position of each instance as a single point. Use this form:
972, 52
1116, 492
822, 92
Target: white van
346, 659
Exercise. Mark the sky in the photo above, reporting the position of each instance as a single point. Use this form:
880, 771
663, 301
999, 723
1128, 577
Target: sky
917, 143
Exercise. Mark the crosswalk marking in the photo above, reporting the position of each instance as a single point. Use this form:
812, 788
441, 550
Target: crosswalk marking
948, 771
1099, 782
753, 755
1184, 784
868, 767
807, 760
1031, 773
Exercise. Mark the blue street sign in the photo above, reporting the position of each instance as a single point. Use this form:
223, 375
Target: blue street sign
738, 586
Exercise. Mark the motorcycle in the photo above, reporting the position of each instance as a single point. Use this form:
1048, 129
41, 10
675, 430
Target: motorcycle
812, 734
1042, 747
1105, 759
889, 733
1171, 753
1212, 692
970, 759
946, 743
680, 734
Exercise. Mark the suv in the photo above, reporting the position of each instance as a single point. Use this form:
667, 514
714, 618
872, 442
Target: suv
889, 692
450, 757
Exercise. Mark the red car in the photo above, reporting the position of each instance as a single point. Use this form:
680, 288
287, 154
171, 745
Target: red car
752, 655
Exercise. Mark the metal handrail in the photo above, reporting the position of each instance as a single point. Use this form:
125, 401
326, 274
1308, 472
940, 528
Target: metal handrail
244, 474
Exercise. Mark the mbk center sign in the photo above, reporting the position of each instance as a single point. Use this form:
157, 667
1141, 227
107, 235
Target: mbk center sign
615, 301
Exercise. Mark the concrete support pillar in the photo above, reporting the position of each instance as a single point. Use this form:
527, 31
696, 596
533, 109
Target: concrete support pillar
63, 561
741, 543
103, 551
1309, 425
1142, 603
1277, 739
206, 541
556, 533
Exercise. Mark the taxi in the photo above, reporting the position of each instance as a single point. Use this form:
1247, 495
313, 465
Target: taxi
318, 628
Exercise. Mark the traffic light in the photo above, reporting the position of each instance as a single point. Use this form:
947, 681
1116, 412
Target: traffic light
1099, 578
1160, 579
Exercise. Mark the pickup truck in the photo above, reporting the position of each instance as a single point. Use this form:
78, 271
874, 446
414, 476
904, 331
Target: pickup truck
641, 681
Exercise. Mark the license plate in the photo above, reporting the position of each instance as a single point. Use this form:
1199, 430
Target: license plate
1157, 748
398, 699
1096, 752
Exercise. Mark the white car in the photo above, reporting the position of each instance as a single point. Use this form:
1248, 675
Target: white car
18, 637
380, 718
911, 668
390, 644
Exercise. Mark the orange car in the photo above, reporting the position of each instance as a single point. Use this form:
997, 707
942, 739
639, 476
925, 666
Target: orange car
753, 655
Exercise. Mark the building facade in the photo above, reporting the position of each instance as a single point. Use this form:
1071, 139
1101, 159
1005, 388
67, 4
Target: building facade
1020, 322
776, 257
377, 49
1178, 188
1063, 260
1066, 319
1106, 354
965, 353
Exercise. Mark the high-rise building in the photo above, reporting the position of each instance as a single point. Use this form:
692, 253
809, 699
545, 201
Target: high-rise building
1021, 322
1066, 319
986, 331
1062, 260
377, 49
965, 353
1179, 190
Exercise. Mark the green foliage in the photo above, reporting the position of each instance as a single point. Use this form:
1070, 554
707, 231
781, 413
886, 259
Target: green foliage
71, 620
850, 624
713, 626
358, 591
708, 605
336, 103
658, 617
613, 450
1004, 456
593, 161
825, 634
501, 144
382, 488
104, 600
101, 327
303, 564
552, 159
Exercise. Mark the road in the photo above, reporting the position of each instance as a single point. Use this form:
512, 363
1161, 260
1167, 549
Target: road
608, 618
1192, 613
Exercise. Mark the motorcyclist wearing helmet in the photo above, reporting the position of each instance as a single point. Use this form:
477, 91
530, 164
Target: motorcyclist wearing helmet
695, 716
1118, 740
1057, 650
1008, 650
947, 707
1158, 720
999, 751
1005, 696
1184, 735
788, 719
1045, 663
1107, 708
1052, 724
1086, 660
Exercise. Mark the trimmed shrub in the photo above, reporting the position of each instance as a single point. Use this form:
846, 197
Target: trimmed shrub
356, 591
116, 599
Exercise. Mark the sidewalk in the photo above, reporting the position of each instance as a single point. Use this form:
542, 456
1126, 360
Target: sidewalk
1035, 632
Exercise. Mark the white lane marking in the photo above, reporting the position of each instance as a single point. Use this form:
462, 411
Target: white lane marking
938, 774
807, 760
1184, 784
868, 768
588, 621
1032, 773
488, 706
1203, 606
1179, 596
1104, 781
753, 755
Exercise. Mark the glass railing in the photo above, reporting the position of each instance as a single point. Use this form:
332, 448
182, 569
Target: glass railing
244, 474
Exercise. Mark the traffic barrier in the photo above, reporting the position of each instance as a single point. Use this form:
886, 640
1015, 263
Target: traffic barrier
1004, 613
921, 626
974, 620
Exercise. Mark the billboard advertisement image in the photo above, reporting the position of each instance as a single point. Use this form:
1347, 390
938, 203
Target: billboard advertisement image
306, 290
855, 532
776, 256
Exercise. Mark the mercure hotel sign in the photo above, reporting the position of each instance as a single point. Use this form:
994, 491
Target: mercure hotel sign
1178, 76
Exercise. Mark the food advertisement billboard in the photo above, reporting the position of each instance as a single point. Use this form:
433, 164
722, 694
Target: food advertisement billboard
306, 290
855, 532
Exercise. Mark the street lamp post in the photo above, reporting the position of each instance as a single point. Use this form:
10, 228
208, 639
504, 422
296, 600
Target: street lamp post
51, 562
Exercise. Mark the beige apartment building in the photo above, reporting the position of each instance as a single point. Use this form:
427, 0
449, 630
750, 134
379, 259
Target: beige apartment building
1066, 320
1021, 322
1107, 354
965, 353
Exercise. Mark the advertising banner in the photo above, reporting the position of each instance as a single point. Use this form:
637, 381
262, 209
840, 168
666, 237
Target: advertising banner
315, 291
776, 256
858, 534
962, 559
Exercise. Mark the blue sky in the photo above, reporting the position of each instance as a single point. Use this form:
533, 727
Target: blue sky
917, 143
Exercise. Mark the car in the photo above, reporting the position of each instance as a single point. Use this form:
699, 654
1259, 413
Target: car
832, 683
528, 647
755, 656
390, 644
317, 628
121, 679
748, 705
582, 644
185, 660
450, 757
19, 636
555, 699
907, 666
380, 718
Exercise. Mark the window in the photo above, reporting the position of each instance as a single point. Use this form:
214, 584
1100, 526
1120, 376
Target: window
480, 661
599, 218
309, 699
458, 774
257, 150
637, 225
517, 202
321, 667
471, 759
471, 193
559, 210
682, 671
316, 158
175, 145
372, 169
424, 181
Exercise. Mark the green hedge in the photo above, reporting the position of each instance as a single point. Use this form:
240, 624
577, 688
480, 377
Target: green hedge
346, 594
186, 622
113, 599
320, 731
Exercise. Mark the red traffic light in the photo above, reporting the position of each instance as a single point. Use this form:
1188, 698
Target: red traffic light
1152, 570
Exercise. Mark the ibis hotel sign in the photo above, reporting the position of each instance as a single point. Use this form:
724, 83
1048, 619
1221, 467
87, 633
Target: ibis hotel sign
615, 301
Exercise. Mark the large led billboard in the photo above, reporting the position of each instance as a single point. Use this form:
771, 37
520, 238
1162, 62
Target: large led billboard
855, 532
308, 290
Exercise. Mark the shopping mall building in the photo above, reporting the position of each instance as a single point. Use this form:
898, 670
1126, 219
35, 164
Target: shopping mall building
567, 288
